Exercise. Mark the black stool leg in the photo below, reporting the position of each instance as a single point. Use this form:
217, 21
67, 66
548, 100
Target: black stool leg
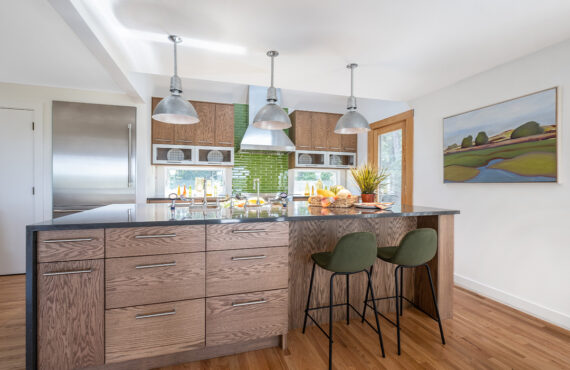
401, 291
331, 321
309, 298
397, 308
366, 298
435, 303
375, 313
347, 301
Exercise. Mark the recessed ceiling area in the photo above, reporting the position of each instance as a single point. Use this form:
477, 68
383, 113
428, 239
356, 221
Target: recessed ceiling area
38, 48
405, 49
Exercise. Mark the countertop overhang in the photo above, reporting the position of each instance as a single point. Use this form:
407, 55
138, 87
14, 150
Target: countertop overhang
144, 215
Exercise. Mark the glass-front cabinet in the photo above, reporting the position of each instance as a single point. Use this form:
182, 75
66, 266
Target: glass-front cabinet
324, 159
208, 155
309, 159
341, 160
172, 154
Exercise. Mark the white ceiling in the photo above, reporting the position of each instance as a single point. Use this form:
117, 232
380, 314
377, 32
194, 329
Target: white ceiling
405, 48
38, 48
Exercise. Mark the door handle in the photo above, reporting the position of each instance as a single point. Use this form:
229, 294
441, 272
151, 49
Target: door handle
249, 231
262, 300
68, 272
249, 258
173, 312
68, 240
155, 236
156, 265
130, 153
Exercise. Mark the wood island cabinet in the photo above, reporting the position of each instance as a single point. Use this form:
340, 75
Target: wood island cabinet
216, 127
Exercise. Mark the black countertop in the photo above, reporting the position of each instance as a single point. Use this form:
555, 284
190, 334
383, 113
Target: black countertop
137, 215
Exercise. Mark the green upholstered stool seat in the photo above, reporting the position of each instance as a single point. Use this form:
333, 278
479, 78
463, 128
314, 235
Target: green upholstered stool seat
416, 248
354, 252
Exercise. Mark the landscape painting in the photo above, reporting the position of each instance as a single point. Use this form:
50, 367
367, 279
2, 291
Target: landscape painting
512, 141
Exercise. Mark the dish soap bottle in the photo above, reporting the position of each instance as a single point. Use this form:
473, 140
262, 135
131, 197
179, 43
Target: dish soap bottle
307, 189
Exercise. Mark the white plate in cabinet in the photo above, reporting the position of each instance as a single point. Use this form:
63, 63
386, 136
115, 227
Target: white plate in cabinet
153, 330
136, 281
143, 241
247, 235
246, 270
243, 317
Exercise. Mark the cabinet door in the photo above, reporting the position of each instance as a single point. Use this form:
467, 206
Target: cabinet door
70, 314
302, 134
319, 130
224, 125
205, 129
185, 134
333, 140
348, 143
162, 133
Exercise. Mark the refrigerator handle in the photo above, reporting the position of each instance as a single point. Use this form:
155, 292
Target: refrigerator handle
129, 160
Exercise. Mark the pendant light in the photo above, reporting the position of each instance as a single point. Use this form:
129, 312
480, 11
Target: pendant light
351, 122
271, 116
174, 108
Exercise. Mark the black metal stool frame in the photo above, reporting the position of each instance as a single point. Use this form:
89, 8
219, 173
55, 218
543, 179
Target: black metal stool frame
348, 305
400, 301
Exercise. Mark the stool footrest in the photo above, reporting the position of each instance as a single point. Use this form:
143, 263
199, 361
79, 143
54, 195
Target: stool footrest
338, 305
405, 298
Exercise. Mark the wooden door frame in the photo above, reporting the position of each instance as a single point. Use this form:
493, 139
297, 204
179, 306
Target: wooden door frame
405, 121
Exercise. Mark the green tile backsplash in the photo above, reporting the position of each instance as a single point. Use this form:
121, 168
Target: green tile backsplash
270, 168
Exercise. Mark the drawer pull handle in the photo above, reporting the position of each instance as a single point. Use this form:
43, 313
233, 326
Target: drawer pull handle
262, 300
155, 236
173, 312
249, 231
225, 142
68, 240
68, 272
249, 258
156, 265
320, 147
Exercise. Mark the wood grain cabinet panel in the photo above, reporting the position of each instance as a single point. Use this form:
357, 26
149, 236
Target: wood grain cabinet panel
143, 241
153, 330
70, 245
301, 132
205, 129
224, 125
319, 131
70, 314
185, 134
162, 133
333, 140
246, 270
242, 317
348, 142
247, 235
134, 281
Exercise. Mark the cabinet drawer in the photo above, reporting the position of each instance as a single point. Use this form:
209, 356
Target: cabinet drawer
142, 241
247, 235
70, 314
242, 317
246, 270
69, 245
136, 281
152, 330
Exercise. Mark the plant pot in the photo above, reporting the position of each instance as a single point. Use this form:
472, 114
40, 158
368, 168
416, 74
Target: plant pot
367, 198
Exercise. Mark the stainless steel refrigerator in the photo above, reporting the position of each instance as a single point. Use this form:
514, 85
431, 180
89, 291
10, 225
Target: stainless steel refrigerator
93, 156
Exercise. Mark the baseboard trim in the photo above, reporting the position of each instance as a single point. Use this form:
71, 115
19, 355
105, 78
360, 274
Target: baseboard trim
554, 317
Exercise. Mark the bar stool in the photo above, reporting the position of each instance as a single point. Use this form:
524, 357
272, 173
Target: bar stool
354, 253
417, 248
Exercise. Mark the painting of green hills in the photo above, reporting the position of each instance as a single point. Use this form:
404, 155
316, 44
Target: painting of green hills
511, 141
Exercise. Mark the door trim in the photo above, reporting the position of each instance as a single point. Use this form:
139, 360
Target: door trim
405, 121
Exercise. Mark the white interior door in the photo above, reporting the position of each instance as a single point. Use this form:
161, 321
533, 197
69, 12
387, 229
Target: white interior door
16, 183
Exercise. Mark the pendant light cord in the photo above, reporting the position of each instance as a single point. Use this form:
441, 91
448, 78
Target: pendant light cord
352, 81
175, 60
272, 68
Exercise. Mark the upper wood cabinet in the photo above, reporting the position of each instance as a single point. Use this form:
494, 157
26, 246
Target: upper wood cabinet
216, 127
315, 131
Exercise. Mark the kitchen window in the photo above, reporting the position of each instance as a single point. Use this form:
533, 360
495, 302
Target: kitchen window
216, 179
304, 178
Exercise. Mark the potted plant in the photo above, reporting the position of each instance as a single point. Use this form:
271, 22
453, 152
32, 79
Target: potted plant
368, 178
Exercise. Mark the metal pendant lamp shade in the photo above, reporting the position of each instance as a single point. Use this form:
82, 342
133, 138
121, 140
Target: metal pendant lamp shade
271, 116
351, 122
174, 108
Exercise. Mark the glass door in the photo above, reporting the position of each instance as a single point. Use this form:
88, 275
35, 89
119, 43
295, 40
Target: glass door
390, 147
390, 160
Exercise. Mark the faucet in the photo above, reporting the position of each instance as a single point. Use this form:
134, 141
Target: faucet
205, 201
256, 183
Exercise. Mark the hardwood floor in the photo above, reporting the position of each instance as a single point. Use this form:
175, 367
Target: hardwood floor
482, 335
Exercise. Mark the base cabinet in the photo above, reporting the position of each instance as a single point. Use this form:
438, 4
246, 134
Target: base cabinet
71, 314
153, 330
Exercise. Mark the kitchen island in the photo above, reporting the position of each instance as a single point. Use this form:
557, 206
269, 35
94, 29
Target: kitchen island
142, 286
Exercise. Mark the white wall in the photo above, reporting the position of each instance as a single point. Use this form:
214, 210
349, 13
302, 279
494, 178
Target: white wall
38, 99
511, 240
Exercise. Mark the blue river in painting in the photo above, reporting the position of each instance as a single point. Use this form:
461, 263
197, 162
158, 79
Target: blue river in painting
487, 174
